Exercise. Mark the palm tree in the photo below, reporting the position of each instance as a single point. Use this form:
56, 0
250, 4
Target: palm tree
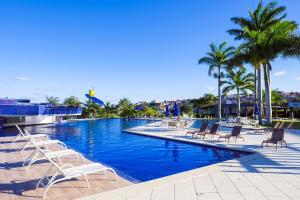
91, 109
52, 100
72, 101
108, 109
239, 80
126, 109
217, 59
266, 36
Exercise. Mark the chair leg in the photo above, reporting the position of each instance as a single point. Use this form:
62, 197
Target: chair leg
51, 184
285, 143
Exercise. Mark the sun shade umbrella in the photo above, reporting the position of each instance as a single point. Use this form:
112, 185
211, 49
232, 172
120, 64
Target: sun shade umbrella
227, 110
176, 109
245, 110
167, 111
256, 111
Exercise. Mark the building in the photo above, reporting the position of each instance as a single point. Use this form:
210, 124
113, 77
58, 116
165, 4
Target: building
22, 112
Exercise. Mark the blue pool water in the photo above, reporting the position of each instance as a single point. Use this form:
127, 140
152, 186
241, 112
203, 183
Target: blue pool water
137, 158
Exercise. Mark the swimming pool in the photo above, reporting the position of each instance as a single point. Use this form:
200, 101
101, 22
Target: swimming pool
137, 158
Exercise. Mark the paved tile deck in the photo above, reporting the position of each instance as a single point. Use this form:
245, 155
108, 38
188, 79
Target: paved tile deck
268, 174
16, 184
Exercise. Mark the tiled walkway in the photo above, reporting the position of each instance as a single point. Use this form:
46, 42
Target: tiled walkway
16, 184
268, 174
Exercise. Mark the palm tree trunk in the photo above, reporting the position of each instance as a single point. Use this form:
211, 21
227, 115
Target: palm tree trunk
255, 92
259, 95
238, 102
267, 68
219, 94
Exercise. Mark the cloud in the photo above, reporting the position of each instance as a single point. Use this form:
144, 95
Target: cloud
210, 88
280, 73
21, 78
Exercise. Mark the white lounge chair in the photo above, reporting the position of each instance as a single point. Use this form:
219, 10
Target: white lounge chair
43, 143
69, 171
26, 136
42, 154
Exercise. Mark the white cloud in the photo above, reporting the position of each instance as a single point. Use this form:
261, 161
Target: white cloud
21, 78
210, 88
280, 73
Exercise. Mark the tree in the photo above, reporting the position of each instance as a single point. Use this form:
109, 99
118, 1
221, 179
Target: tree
277, 97
91, 109
239, 80
204, 103
72, 101
266, 36
126, 109
150, 112
217, 59
186, 107
52, 100
108, 110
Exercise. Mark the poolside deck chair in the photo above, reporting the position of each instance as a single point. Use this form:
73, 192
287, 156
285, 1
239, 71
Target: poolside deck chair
212, 132
200, 130
25, 135
235, 133
69, 172
277, 137
43, 143
42, 154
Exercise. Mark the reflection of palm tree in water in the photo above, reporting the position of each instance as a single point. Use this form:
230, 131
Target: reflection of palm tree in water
167, 143
217, 153
175, 153
90, 138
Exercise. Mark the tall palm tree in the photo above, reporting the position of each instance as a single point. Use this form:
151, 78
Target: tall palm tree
249, 54
217, 59
265, 34
238, 79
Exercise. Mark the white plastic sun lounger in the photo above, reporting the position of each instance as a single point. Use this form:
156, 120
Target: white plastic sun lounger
41, 154
26, 135
43, 143
69, 171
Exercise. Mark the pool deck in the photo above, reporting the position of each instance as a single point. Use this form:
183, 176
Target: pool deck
15, 184
267, 174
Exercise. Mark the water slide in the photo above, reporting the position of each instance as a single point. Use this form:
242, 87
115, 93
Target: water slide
95, 100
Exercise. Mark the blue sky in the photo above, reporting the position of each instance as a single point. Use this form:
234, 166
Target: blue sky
140, 49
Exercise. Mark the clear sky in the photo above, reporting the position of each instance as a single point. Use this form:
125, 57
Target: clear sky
140, 49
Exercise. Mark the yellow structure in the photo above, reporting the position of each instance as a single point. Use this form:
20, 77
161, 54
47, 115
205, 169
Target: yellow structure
92, 93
